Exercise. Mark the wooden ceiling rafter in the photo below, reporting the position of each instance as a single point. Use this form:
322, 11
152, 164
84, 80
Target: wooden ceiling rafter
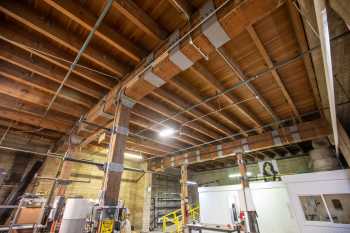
104, 32
239, 73
262, 50
195, 114
196, 99
43, 48
184, 8
202, 72
47, 71
27, 17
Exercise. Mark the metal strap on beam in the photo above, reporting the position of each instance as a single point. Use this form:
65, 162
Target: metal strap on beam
276, 138
114, 167
153, 79
211, 28
295, 133
121, 130
126, 101
245, 145
219, 150
178, 57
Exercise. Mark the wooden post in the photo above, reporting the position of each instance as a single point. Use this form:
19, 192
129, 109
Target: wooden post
344, 143
115, 157
184, 197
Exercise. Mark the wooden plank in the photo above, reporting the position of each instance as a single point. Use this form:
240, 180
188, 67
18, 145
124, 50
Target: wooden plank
48, 52
104, 32
306, 131
140, 18
56, 33
49, 72
274, 72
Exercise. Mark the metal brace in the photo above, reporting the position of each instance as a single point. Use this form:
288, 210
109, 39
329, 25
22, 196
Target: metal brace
237, 151
126, 101
114, 167
245, 145
211, 28
295, 134
172, 161
276, 138
176, 56
198, 155
153, 79
121, 130
219, 150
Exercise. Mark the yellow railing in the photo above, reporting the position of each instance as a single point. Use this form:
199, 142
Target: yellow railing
175, 218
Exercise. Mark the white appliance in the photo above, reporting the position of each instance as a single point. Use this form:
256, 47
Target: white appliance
270, 199
321, 201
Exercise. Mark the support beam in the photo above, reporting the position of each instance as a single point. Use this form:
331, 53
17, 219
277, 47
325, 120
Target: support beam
274, 72
185, 208
288, 135
183, 7
115, 157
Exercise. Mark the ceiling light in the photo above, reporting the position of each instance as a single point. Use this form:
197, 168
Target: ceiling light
191, 182
167, 132
133, 156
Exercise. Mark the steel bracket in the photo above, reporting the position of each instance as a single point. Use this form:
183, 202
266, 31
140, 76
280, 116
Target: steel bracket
178, 57
114, 167
211, 28
153, 79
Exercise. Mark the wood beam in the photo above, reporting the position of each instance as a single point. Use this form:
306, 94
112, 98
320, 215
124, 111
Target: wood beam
16, 74
203, 73
27, 93
30, 119
344, 143
87, 20
183, 7
115, 157
306, 131
24, 15
48, 52
274, 72
140, 18
34, 65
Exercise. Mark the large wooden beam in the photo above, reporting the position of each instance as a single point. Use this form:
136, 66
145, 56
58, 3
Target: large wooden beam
22, 14
344, 142
301, 132
87, 20
47, 51
183, 7
115, 157
274, 72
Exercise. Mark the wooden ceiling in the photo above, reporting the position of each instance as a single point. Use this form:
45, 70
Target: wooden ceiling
40, 38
